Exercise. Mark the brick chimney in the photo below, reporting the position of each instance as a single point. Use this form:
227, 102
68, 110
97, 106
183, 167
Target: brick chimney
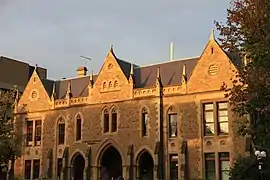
81, 71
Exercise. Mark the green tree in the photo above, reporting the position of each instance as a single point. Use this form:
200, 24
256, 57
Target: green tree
245, 36
9, 136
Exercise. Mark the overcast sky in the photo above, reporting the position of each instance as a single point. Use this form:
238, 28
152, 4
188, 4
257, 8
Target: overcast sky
55, 33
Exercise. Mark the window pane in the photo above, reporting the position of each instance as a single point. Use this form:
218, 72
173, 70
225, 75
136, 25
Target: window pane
27, 169
61, 135
38, 133
224, 161
59, 167
223, 119
210, 169
208, 107
223, 112
225, 175
114, 122
223, 128
209, 116
106, 123
173, 125
36, 166
29, 137
144, 124
223, 105
79, 129
209, 129
174, 167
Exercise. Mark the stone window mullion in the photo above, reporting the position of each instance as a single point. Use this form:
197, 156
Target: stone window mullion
216, 118
34, 134
110, 122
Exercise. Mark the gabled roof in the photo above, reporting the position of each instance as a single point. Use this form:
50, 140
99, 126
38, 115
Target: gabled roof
170, 72
145, 76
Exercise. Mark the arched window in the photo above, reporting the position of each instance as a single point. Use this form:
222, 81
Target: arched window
104, 86
78, 128
144, 122
106, 120
61, 131
110, 84
115, 84
172, 118
114, 120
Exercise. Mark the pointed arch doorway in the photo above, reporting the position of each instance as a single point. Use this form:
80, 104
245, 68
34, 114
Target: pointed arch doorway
78, 164
145, 164
111, 164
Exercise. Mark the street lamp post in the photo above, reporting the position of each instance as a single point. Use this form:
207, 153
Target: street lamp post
261, 157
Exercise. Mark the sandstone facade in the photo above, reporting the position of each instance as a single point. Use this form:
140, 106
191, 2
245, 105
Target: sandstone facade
139, 104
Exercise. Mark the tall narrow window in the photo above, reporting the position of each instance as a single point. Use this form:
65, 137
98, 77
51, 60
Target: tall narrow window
110, 85
224, 164
78, 128
173, 125
104, 85
174, 167
210, 169
106, 119
29, 137
59, 167
36, 168
115, 84
209, 123
223, 126
61, 133
144, 122
38, 128
27, 169
114, 120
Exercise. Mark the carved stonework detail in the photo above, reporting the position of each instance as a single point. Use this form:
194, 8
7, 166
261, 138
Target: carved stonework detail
213, 70
208, 143
222, 142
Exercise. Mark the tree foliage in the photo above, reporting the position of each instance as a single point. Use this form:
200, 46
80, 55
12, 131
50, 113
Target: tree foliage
245, 36
9, 136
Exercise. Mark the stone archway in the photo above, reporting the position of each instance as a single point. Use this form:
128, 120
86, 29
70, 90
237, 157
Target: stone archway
78, 164
145, 166
111, 164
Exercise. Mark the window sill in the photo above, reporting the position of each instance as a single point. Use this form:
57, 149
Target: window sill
78, 141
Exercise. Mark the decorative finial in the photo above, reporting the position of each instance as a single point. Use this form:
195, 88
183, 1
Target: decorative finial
158, 73
69, 93
131, 69
53, 91
111, 48
91, 76
17, 95
212, 37
184, 74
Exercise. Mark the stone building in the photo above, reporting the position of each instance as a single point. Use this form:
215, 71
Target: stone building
167, 121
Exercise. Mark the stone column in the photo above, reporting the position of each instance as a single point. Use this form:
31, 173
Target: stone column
125, 171
156, 171
85, 169
95, 172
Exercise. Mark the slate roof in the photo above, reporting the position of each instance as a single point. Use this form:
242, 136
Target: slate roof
144, 76
15, 72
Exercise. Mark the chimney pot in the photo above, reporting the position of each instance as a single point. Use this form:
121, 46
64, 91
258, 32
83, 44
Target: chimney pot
81, 71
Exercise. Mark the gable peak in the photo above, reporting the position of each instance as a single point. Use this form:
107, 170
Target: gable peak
212, 37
